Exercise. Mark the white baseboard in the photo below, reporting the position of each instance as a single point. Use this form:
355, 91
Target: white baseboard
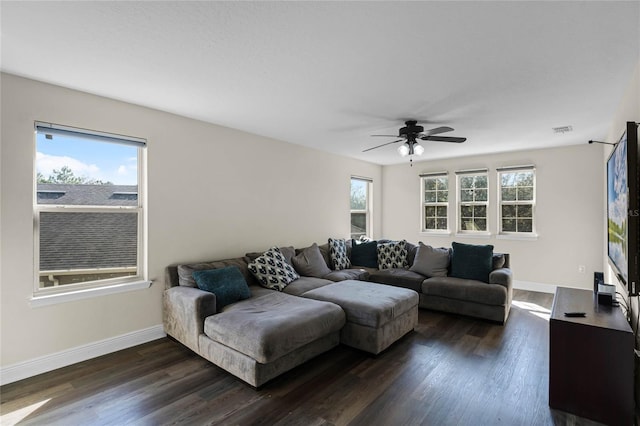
33, 367
533, 286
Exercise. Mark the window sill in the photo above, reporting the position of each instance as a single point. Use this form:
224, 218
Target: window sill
473, 234
517, 237
52, 299
436, 233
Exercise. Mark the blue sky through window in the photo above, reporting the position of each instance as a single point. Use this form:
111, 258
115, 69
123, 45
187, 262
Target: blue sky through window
103, 161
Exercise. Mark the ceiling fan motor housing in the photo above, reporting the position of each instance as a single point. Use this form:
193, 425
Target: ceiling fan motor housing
411, 130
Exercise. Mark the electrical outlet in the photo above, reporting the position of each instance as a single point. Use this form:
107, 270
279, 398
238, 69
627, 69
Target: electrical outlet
581, 269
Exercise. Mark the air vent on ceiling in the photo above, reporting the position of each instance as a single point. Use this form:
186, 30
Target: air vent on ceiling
562, 129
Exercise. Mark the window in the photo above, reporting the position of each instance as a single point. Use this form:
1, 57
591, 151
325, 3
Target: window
88, 209
360, 207
435, 202
473, 197
517, 199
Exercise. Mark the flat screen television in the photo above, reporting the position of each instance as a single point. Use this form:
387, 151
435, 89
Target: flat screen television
623, 209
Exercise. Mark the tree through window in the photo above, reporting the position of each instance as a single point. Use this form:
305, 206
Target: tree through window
517, 199
360, 208
435, 202
473, 200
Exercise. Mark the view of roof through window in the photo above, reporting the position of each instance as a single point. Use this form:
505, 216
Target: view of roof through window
93, 174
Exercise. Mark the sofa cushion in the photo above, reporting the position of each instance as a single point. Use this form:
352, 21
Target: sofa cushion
392, 255
364, 254
338, 254
185, 272
473, 262
272, 270
310, 263
431, 262
268, 327
467, 290
398, 277
227, 284
347, 274
304, 284
287, 251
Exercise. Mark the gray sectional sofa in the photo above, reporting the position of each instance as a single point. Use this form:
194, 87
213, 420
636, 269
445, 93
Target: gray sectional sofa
269, 332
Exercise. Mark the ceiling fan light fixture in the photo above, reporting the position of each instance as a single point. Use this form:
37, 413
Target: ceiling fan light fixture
410, 134
403, 149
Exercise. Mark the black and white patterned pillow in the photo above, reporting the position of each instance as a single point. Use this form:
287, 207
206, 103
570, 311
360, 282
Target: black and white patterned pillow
338, 254
392, 255
272, 270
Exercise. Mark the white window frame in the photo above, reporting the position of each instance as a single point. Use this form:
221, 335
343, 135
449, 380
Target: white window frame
424, 204
368, 209
501, 202
459, 203
56, 294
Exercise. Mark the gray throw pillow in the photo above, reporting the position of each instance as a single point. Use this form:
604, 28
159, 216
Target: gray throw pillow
431, 262
498, 261
310, 263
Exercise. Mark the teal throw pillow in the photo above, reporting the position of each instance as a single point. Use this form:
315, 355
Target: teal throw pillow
228, 284
472, 262
364, 254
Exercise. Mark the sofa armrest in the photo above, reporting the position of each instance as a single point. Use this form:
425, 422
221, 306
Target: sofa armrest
502, 276
184, 311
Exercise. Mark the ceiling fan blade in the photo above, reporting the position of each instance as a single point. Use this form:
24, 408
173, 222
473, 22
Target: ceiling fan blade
384, 144
443, 139
386, 136
438, 130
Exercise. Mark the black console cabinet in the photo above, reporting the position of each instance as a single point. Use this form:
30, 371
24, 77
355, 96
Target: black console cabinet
590, 359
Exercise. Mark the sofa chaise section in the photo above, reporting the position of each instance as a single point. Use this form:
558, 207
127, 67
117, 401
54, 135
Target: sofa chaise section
255, 339
261, 337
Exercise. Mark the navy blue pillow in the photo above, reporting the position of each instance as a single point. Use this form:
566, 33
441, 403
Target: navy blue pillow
472, 262
364, 254
228, 284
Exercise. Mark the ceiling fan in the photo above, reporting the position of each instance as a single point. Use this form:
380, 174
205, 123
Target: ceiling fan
413, 131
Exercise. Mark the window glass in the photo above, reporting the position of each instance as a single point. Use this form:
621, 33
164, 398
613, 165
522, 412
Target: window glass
435, 203
473, 201
517, 201
360, 208
89, 212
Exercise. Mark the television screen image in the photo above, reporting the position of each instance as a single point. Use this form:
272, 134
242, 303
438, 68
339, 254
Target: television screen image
623, 209
617, 208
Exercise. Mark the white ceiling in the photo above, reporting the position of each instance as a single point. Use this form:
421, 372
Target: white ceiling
329, 74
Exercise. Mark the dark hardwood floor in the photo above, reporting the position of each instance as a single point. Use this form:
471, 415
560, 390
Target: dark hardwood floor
451, 370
